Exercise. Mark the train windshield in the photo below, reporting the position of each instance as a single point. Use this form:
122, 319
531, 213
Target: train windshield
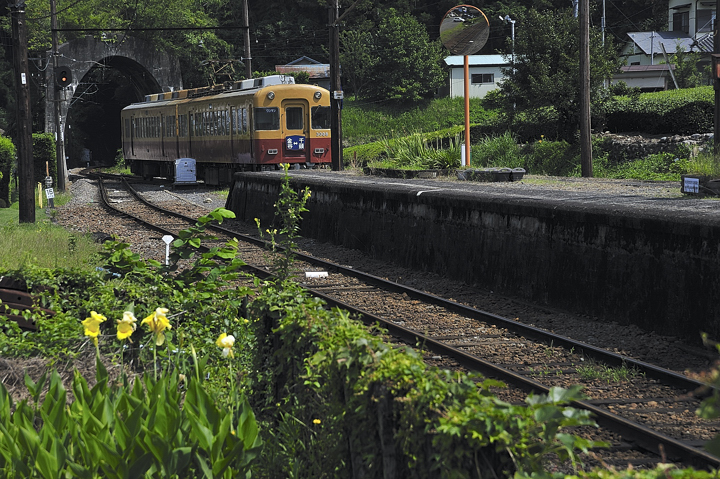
294, 118
267, 119
321, 118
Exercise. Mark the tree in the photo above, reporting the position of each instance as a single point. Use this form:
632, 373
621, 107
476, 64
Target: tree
357, 59
686, 71
546, 68
408, 66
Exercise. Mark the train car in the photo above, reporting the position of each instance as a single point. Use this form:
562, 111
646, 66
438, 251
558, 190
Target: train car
248, 125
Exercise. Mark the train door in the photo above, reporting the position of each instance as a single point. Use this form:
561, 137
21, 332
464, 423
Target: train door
132, 136
295, 129
163, 131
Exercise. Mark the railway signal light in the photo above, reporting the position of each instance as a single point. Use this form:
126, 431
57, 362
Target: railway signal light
63, 76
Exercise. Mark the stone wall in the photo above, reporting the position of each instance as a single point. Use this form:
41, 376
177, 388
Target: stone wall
636, 146
658, 272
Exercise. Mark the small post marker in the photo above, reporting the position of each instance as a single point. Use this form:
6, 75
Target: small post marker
167, 239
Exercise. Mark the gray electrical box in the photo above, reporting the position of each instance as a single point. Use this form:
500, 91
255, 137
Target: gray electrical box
185, 171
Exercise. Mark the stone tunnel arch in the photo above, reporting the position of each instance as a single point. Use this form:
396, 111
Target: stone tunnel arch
148, 69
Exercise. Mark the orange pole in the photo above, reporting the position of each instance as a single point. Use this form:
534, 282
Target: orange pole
467, 111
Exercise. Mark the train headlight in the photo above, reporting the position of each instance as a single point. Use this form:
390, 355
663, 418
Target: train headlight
318, 95
271, 95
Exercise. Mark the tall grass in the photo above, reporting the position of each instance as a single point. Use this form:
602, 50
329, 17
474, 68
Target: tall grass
704, 163
42, 243
415, 151
365, 123
497, 151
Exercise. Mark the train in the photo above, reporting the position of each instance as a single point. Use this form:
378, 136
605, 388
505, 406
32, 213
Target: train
209, 133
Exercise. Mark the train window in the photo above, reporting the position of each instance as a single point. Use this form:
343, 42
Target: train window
225, 123
241, 120
267, 119
294, 118
320, 117
127, 128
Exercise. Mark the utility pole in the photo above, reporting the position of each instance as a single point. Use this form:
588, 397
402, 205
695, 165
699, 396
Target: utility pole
585, 126
716, 81
246, 24
58, 92
24, 119
336, 94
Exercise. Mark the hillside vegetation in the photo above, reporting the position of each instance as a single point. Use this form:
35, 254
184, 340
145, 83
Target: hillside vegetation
428, 135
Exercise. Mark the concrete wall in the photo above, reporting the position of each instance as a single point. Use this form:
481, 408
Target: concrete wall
662, 274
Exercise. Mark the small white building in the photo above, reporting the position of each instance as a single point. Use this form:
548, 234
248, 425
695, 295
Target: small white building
485, 72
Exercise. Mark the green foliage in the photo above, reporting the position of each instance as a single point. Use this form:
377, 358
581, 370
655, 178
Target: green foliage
365, 123
288, 212
145, 429
687, 74
546, 64
46, 245
321, 374
661, 471
416, 151
497, 151
8, 157
704, 163
659, 167
192, 47
556, 158
591, 371
672, 112
402, 45
357, 59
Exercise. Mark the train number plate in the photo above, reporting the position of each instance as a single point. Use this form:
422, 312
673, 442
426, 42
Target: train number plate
295, 142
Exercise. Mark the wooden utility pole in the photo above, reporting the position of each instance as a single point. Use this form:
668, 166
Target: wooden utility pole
585, 126
246, 24
24, 118
336, 94
716, 81
57, 95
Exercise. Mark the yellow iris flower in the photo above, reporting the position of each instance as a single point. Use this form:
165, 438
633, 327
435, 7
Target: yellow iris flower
92, 325
158, 323
126, 326
226, 341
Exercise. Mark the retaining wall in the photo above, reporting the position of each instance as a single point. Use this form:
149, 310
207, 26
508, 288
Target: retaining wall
662, 274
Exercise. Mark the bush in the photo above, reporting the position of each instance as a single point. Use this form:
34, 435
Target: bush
673, 112
556, 158
497, 151
43, 145
8, 156
337, 401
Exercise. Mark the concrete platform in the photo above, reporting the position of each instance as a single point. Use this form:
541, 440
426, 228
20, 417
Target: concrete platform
628, 251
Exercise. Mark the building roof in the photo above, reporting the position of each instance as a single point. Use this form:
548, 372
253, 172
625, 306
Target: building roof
647, 68
314, 68
654, 41
478, 60
304, 60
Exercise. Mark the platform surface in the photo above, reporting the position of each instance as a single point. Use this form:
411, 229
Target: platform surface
648, 199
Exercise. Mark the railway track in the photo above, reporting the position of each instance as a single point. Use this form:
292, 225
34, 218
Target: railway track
648, 417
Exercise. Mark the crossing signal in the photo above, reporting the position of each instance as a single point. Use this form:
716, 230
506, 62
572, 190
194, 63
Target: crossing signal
63, 77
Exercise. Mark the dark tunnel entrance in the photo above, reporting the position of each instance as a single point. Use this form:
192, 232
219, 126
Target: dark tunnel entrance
92, 132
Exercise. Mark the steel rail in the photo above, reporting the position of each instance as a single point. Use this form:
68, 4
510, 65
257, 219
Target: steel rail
646, 438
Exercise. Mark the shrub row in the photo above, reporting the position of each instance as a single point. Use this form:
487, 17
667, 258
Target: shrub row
672, 112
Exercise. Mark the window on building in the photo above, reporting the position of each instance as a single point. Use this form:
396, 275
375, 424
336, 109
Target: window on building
681, 22
705, 20
482, 78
